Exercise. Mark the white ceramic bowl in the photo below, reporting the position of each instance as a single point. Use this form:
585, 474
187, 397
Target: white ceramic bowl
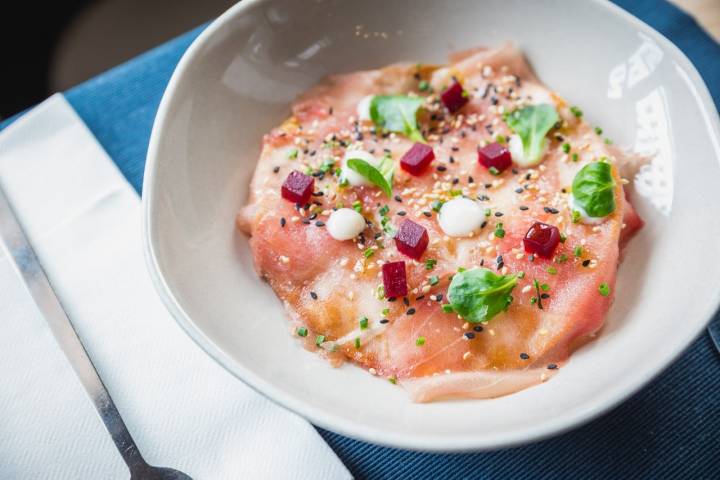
237, 81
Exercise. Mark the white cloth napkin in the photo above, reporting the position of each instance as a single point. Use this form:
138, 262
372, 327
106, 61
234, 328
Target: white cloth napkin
183, 410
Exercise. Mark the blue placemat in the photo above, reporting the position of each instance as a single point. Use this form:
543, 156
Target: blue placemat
671, 429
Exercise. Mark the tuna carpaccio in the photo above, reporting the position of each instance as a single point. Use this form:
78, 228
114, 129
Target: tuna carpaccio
332, 289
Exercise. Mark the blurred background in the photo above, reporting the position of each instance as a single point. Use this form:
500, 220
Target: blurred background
51, 46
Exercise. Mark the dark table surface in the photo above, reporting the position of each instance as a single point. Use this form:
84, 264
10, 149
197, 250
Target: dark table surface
670, 429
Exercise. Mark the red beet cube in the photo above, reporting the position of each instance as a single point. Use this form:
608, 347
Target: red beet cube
541, 239
411, 239
495, 156
394, 280
298, 187
417, 159
454, 98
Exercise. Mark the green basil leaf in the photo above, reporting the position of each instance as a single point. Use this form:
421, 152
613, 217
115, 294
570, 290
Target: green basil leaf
532, 124
397, 113
479, 294
593, 189
382, 175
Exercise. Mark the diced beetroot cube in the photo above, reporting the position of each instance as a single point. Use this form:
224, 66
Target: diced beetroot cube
542, 239
411, 239
494, 155
394, 280
417, 159
454, 98
298, 187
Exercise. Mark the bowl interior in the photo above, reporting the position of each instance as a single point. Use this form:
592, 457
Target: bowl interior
238, 81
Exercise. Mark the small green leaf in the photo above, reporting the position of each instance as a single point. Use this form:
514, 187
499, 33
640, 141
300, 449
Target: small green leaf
381, 176
593, 189
479, 294
397, 113
532, 124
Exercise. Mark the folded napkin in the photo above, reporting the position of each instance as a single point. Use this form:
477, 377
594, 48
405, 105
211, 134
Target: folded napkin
183, 410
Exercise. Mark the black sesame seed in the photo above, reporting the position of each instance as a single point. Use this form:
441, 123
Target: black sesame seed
384, 321
391, 299
488, 185
483, 224
519, 190
318, 194
482, 262
524, 356
314, 295
455, 181
306, 221
420, 297
586, 263
483, 198
319, 223
515, 171
523, 207
471, 180
455, 149
402, 213
398, 198
552, 366
478, 328
527, 177
441, 168
283, 221
499, 214
276, 169
545, 296
411, 311
427, 214
531, 257
554, 211
451, 159
469, 335
439, 297
312, 217
406, 301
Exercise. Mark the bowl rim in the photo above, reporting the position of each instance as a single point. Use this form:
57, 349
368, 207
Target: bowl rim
357, 430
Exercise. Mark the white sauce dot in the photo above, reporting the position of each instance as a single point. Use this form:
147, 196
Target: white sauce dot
518, 153
363, 107
345, 224
584, 217
460, 217
353, 177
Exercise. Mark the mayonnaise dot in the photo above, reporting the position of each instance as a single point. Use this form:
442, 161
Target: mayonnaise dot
363, 107
353, 177
460, 217
584, 217
345, 224
518, 152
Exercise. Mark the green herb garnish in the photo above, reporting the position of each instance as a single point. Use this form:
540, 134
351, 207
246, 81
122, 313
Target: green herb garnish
420, 341
363, 323
576, 111
381, 176
302, 332
369, 252
593, 189
578, 251
479, 294
357, 343
319, 340
357, 206
604, 289
430, 263
566, 147
293, 154
424, 86
499, 232
397, 113
436, 205
532, 124
551, 270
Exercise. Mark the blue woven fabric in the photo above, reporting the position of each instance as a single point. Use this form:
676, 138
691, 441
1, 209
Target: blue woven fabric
671, 429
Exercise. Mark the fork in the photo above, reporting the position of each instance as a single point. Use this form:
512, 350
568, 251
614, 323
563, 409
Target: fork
28, 266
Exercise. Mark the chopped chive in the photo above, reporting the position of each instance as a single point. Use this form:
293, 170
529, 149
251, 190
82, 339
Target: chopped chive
604, 289
293, 154
488, 212
520, 275
420, 341
598, 130
357, 343
302, 332
575, 157
551, 270
566, 147
424, 86
380, 292
575, 216
545, 287
499, 232
578, 251
430, 263
494, 171
563, 237
608, 141
576, 111
363, 323
357, 206
384, 210
434, 280
393, 380
562, 258
369, 253
500, 139
319, 340
436, 205
385, 312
